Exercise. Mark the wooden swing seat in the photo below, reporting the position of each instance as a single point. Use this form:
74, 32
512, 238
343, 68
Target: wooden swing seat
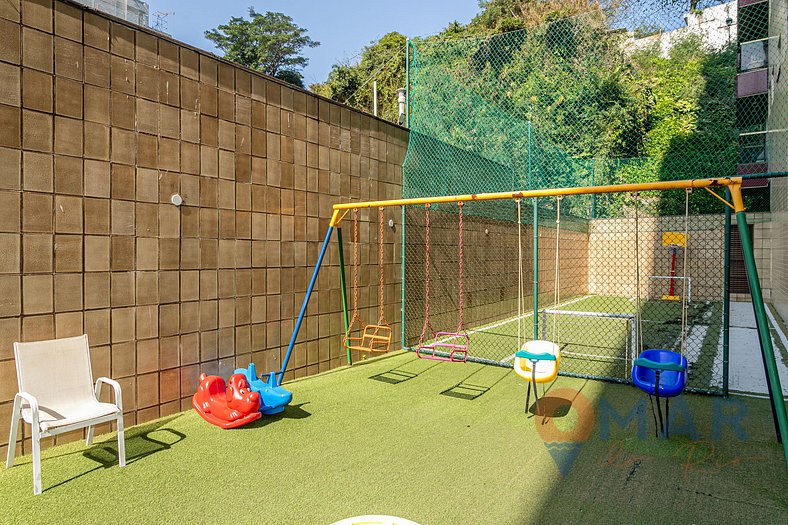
458, 352
375, 338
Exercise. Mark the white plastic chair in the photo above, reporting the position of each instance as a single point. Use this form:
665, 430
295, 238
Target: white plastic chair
57, 395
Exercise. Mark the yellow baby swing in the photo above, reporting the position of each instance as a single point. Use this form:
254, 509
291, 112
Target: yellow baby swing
537, 361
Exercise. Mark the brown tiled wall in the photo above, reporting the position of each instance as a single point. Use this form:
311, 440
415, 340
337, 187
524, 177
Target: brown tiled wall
101, 123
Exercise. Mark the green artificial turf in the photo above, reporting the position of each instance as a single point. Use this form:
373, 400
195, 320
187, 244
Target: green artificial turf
436, 443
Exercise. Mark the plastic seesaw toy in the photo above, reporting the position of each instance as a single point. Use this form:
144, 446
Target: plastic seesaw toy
273, 398
227, 406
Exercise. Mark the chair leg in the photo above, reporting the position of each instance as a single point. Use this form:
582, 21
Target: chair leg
528, 398
36, 461
121, 443
9, 462
89, 439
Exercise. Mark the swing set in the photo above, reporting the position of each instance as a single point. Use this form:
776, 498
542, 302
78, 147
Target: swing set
659, 372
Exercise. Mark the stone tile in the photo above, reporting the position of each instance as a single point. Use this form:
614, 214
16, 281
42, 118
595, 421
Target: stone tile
11, 300
147, 254
37, 253
97, 179
10, 85
37, 216
96, 31
96, 104
97, 145
147, 321
10, 41
122, 75
122, 41
123, 328
10, 169
38, 294
38, 327
68, 253
97, 290
124, 364
98, 248
10, 131
37, 50
123, 114
69, 324
10, 256
122, 255
97, 326
68, 175
122, 217
38, 174
68, 292
169, 287
68, 136
68, 214
68, 59
68, 21
37, 131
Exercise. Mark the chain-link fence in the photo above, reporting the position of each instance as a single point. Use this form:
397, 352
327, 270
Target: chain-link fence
624, 92
600, 315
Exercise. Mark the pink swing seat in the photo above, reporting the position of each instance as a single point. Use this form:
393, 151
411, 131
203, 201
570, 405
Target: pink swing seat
457, 351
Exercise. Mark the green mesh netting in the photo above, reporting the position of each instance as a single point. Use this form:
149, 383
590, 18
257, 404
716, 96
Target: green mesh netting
628, 92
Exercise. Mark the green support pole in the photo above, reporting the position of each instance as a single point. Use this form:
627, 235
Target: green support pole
726, 299
536, 268
775, 388
343, 287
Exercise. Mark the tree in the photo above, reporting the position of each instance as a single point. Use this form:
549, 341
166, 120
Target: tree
383, 61
270, 43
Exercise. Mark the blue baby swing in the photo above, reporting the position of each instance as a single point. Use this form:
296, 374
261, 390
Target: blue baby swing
661, 373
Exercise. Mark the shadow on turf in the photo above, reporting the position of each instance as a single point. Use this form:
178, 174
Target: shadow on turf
399, 375
551, 406
469, 391
291, 412
140, 444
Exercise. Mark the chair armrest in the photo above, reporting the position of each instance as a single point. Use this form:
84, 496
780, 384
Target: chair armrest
115, 386
33, 402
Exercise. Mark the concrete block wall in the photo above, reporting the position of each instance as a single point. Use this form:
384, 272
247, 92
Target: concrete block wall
779, 246
102, 122
612, 246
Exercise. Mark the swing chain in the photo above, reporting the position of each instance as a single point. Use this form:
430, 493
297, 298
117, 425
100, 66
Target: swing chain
381, 297
355, 264
427, 324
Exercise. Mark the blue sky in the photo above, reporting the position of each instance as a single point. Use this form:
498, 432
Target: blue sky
342, 27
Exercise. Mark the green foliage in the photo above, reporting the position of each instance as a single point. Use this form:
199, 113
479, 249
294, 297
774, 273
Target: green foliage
383, 61
270, 43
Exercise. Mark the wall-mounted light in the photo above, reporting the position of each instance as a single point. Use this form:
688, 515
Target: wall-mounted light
391, 223
176, 199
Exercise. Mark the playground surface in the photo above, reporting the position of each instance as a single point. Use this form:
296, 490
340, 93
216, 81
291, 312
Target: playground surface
436, 443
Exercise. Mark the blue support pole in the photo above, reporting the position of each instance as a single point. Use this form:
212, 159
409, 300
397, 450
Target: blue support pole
300, 319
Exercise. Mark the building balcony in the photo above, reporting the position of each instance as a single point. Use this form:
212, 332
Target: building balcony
755, 82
